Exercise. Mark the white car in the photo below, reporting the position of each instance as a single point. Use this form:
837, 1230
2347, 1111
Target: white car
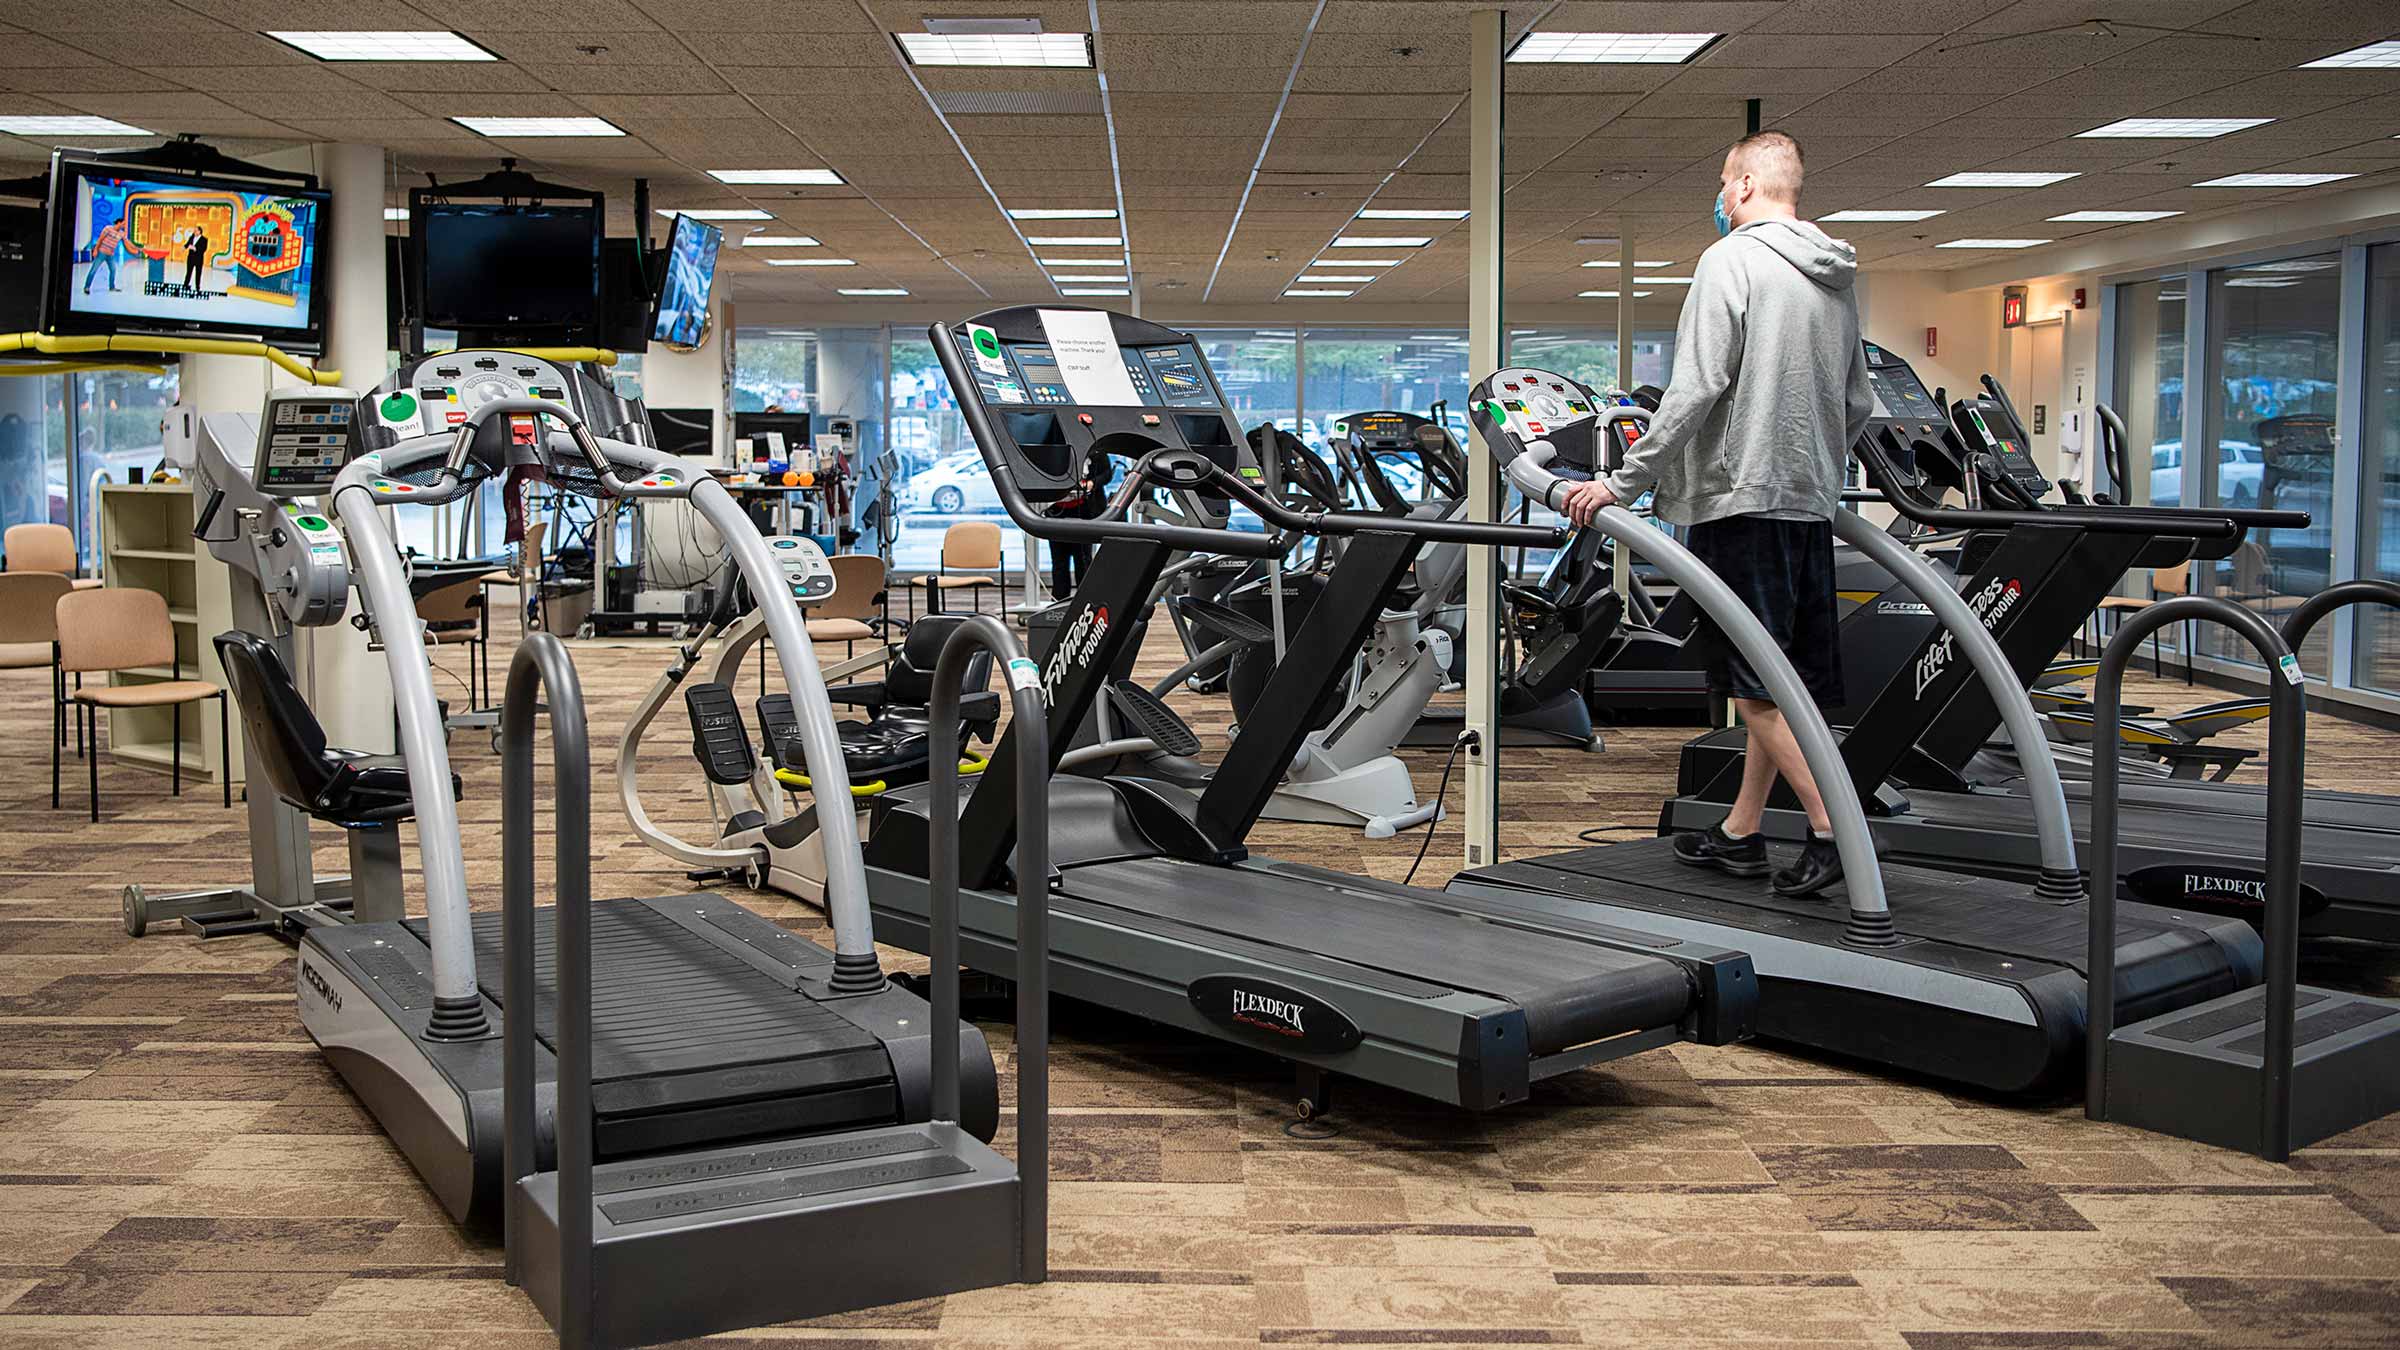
2239, 466
953, 486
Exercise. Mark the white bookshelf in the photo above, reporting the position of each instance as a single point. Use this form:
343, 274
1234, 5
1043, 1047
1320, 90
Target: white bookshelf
146, 542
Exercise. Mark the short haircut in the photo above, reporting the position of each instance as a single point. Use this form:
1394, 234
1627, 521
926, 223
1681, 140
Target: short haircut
1773, 158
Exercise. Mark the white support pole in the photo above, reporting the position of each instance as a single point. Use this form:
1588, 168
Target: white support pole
1487, 334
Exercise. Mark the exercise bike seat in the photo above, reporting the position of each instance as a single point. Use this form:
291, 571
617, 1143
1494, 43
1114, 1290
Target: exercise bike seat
893, 744
342, 787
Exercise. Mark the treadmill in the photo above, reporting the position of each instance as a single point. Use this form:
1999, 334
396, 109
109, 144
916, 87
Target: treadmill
2035, 571
1968, 979
1157, 909
713, 1026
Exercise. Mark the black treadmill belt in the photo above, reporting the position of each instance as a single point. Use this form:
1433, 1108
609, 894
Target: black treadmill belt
1571, 992
2334, 810
1962, 911
666, 1001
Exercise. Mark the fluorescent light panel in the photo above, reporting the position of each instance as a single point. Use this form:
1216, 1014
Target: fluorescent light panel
1993, 243
392, 213
508, 128
1062, 213
2373, 56
2115, 217
870, 290
69, 126
1662, 281
1117, 261
1099, 277
778, 241
1092, 290
2008, 178
1625, 49
720, 213
382, 45
1874, 213
778, 177
1076, 240
1381, 241
1057, 50
1610, 295
810, 262
1638, 262
1395, 213
1337, 276
2173, 128
1327, 295
1356, 262
2274, 180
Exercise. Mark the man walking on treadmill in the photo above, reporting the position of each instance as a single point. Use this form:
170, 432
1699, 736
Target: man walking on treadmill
1746, 450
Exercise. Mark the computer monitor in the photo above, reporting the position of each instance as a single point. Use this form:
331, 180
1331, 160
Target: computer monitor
684, 431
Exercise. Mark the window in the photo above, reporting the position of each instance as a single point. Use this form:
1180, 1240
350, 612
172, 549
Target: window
2149, 387
33, 458
2269, 437
119, 421
1590, 354
1355, 370
2377, 662
938, 476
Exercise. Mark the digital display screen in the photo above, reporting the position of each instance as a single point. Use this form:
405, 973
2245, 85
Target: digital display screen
1174, 377
1042, 381
1028, 373
190, 255
1899, 394
1382, 429
499, 268
307, 445
682, 316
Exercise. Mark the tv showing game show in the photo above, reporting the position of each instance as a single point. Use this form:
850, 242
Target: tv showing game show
138, 250
682, 316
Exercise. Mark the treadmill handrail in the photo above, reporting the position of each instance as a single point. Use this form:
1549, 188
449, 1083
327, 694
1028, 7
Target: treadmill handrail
1072, 529
1913, 503
2043, 788
541, 670
2287, 700
1032, 722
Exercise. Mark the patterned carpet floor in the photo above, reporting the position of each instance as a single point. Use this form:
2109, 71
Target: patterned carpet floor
179, 1168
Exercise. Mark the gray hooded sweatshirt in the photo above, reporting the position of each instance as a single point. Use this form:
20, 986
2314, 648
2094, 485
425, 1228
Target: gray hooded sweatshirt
1770, 383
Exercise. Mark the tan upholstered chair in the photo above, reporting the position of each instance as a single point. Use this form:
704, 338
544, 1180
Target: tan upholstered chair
454, 613
29, 640
850, 617
2165, 583
970, 546
121, 628
43, 547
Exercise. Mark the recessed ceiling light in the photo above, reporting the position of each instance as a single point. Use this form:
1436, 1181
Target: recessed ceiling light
1993, 243
2373, 56
1662, 281
1357, 262
1609, 295
1062, 213
778, 177
2001, 179
1381, 241
505, 128
2115, 217
2296, 265
2274, 180
1880, 214
870, 290
69, 126
383, 45
1637, 49
778, 241
1103, 276
1638, 262
2173, 128
1325, 295
392, 213
1073, 50
1092, 290
810, 262
1337, 276
719, 213
1395, 213
1076, 240
1117, 261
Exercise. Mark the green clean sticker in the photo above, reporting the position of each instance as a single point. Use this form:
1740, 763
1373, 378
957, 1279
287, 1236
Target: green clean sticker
986, 341
2290, 665
1023, 674
399, 407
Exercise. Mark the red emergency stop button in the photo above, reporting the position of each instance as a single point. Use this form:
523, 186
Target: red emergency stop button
1085, 418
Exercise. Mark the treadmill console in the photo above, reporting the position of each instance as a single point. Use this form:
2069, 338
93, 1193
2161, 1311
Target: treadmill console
305, 438
1521, 406
1990, 425
1364, 440
1053, 385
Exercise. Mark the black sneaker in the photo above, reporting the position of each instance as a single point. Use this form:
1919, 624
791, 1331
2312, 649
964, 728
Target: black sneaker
1820, 866
1712, 847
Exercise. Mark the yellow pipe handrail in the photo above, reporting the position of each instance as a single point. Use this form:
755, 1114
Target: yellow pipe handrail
796, 781
53, 345
569, 355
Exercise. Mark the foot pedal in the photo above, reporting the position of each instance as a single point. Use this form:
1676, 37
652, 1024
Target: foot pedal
719, 741
1146, 715
778, 729
1231, 623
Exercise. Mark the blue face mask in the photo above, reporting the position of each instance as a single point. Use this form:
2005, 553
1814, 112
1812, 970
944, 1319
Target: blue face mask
1724, 222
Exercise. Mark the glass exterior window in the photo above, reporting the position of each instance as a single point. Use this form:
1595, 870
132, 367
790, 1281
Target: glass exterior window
33, 455
2377, 662
119, 426
2274, 371
2149, 387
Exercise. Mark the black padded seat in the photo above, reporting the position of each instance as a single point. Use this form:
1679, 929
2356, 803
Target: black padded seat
342, 787
893, 744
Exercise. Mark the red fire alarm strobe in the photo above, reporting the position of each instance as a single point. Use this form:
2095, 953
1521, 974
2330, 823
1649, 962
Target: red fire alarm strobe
1931, 346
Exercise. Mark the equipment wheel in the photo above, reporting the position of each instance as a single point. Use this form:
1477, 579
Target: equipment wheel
137, 911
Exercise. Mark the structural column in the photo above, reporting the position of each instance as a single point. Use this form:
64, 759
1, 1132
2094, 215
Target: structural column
1487, 335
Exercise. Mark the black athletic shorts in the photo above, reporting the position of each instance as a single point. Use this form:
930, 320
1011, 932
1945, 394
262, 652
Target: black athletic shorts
1783, 571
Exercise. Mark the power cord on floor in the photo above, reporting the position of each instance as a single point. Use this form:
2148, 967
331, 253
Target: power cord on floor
1440, 796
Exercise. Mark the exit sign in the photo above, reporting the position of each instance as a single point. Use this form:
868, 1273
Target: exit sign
2012, 307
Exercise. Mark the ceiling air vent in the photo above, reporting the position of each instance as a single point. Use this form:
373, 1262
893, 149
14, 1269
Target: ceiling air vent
961, 103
